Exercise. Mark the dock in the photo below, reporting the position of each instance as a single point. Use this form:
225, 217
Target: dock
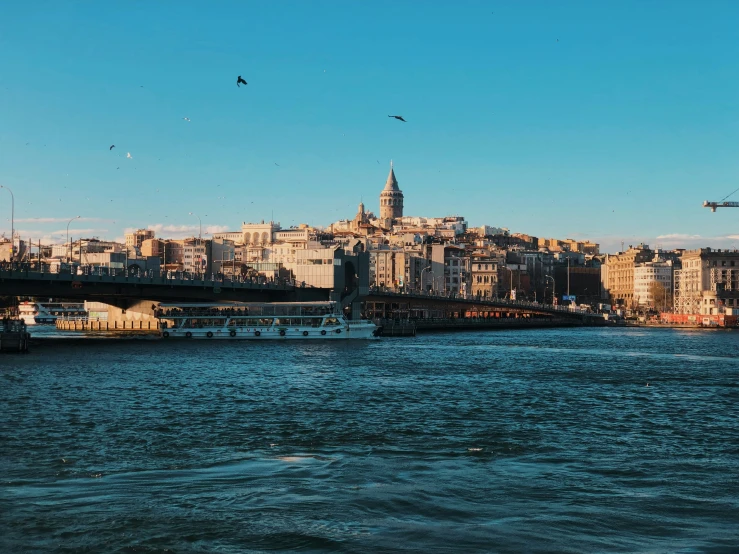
13, 336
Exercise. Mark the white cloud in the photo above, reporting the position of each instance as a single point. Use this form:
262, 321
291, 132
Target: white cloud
679, 236
55, 219
51, 237
669, 241
168, 231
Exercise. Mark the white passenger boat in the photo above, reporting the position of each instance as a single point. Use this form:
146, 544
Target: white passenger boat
41, 313
260, 321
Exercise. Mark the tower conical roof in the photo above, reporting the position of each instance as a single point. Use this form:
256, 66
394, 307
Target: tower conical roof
392, 182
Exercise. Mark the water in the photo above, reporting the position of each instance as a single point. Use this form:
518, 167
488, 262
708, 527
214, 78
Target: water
520, 441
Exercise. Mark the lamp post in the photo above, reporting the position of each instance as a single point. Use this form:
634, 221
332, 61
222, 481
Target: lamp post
200, 231
568, 277
510, 290
554, 287
427, 268
12, 221
70, 246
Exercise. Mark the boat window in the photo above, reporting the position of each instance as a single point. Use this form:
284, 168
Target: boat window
331, 322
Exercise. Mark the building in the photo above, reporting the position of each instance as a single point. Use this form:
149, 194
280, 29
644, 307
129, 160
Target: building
449, 269
653, 283
617, 274
134, 239
391, 201
195, 255
333, 268
484, 274
152, 247
707, 283
222, 253
396, 268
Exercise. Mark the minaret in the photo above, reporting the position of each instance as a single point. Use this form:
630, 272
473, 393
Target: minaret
391, 200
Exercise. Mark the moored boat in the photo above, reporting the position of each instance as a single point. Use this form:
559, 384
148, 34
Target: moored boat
260, 321
41, 313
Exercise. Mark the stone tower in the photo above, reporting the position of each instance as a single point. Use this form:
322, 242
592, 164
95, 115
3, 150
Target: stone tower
391, 200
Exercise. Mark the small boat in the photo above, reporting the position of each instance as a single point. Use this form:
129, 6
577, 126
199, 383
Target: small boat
261, 321
42, 313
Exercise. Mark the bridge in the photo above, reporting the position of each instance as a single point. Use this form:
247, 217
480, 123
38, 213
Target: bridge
137, 295
121, 289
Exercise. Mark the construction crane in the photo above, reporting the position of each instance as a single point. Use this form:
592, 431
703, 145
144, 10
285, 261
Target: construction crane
721, 203
714, 205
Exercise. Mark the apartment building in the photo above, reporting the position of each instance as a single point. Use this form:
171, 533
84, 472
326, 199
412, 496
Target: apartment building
707, 283
617, 274
648, 274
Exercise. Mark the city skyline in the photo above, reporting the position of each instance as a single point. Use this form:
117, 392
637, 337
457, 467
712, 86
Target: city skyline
518, 118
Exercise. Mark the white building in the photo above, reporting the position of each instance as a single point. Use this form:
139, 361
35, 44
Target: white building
315, 266
646, 274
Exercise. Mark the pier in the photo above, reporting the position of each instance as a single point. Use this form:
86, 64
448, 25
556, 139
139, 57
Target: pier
13, 335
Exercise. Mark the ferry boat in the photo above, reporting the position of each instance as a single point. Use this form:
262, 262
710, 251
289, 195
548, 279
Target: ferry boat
261, 321
41, 313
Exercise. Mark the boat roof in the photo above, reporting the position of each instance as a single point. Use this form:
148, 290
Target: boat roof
243, 304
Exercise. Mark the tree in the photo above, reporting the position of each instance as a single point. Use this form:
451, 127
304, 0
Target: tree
661, 297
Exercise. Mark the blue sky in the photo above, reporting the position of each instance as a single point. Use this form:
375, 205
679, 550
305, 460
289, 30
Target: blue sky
603, 120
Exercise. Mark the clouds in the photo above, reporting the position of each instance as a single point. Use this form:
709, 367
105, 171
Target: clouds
668, 241
56, 219
168, 231
59, 235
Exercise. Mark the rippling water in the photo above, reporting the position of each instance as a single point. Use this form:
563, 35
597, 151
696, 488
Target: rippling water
533, 441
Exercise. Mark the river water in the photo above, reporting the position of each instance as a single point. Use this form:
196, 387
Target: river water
503, 441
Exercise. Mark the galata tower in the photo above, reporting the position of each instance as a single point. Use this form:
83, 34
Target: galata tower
391, 200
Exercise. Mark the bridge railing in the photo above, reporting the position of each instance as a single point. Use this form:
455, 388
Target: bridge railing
91, 273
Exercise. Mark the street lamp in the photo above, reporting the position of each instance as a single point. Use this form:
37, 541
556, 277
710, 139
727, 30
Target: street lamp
554, 287
70, 246
511, 287
12, 221
427, 268
200, 231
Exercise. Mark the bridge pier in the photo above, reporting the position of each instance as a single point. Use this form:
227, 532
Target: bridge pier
137, 314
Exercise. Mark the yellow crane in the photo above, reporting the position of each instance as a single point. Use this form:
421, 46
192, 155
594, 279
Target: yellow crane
714, 205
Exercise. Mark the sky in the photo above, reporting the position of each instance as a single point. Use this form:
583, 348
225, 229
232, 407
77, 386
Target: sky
608, 121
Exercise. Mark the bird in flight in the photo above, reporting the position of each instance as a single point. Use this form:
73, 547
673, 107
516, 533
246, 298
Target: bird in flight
186, 118
399, 118
111, 147
239, 81
128, 155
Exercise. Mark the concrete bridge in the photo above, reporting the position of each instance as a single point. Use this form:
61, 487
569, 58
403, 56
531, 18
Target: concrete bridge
400, 306
134, 297
121, 289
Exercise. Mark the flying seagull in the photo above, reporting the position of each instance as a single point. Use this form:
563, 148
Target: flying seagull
128, 155
398, 117
186, 118
111, 147
239, 81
